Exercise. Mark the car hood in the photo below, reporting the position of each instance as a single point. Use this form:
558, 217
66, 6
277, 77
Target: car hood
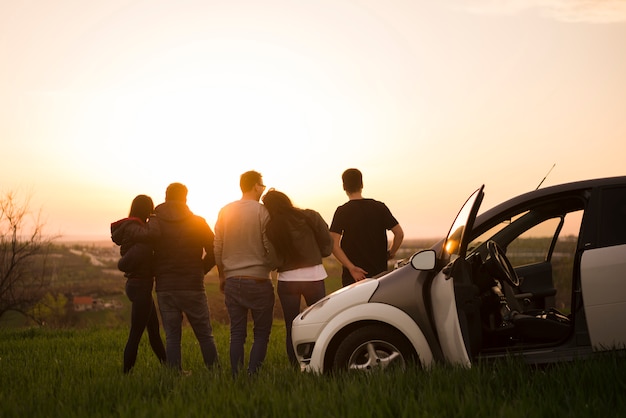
340, 300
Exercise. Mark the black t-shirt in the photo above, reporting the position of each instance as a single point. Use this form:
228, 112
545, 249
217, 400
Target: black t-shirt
363, 224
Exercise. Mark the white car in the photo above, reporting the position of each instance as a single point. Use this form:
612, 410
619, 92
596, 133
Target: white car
542, 275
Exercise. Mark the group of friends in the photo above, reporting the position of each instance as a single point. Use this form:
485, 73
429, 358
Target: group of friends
172, 249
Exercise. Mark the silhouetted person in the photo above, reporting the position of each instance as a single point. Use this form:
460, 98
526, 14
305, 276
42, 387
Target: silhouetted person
131, 234
244, 260
183, 255
300, 238
359, 230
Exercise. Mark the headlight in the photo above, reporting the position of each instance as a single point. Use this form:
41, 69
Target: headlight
315, 306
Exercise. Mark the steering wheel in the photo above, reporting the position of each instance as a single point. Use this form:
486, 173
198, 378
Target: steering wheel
500, 266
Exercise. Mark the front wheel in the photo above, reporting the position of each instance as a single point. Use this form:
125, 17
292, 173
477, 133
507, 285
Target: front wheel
373, 347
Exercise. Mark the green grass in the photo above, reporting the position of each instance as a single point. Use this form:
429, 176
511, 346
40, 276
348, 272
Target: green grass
77, 373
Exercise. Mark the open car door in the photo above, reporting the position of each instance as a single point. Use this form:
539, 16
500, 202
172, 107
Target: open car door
443, 299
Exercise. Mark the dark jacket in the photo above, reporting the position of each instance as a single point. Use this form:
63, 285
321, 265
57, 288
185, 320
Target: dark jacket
312, 239
132, 235
183, 251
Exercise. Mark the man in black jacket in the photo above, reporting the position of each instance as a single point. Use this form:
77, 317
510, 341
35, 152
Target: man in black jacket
183, 255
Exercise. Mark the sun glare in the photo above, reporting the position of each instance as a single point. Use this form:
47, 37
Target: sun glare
239, 106
244, 102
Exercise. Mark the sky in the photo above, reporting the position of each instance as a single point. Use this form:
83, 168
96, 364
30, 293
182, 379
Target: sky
103, 100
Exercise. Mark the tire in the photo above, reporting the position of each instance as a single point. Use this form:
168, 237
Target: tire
373, 348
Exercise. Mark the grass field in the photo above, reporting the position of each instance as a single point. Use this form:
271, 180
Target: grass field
77, 373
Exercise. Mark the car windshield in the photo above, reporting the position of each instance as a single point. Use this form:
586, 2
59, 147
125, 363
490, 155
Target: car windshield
454, 241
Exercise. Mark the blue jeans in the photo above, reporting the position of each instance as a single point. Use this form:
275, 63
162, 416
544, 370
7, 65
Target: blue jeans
290, 295
172, 305
256, 296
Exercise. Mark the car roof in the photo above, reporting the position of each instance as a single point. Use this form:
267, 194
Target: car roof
565, 188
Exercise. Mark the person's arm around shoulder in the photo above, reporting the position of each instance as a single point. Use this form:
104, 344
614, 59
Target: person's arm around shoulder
398, 237
272, 257
138, 231
356, 272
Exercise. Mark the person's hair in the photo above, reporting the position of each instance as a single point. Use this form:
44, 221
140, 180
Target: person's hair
352, 180
282, 213
177, 192
248, 180
141, 207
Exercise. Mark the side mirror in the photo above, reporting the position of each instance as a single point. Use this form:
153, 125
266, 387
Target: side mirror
424, 260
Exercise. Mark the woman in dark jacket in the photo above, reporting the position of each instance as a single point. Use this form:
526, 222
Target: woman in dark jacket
132, 235
301, 239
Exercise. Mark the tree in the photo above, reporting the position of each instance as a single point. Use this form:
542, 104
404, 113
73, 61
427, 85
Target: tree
24, 272
50, 310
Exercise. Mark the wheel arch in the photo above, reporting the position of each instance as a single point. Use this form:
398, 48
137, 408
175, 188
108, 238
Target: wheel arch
368, 314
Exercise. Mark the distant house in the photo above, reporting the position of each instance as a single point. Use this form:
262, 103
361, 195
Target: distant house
83, 303
89, 303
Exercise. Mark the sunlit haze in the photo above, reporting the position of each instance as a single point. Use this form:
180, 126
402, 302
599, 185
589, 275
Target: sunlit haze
104, 100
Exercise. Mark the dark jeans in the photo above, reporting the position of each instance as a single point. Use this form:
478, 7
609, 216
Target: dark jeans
290, 295
143, 316
256, 296
193, 304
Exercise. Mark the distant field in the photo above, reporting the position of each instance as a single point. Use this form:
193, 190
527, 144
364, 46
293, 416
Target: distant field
90, 269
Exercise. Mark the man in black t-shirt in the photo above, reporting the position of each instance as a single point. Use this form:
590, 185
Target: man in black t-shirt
359, 230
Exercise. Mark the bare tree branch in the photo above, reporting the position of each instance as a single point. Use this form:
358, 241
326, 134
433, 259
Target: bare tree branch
24, 271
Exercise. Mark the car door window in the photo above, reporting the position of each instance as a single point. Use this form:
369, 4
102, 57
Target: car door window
551, 242
533, 246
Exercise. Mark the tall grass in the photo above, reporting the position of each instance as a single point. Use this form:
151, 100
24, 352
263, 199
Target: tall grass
77, 373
